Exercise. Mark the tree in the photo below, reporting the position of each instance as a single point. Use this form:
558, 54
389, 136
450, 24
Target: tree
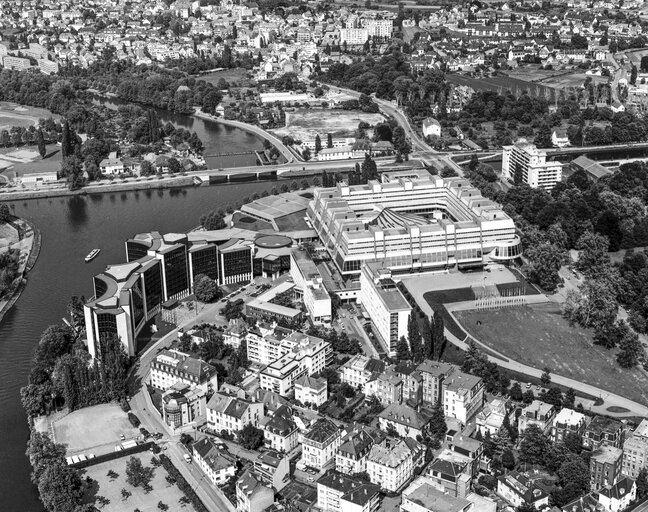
516, 392
642, 483
212, 221
250, 437
60, 488
526, 507
437, 426
369, 168
414, 337
137, 474
631, 350
306, 153
329, 141
43, 453
5, 213
508, 459
533, 446
593, 305
318, 144
400, 142
403, 350
125, 494
162, 506
40, 142
545, 260
593, 255
206, 289
543, 138
545, 378
174, 165
147, 168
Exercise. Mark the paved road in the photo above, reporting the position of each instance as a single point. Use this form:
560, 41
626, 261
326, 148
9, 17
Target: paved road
610, 399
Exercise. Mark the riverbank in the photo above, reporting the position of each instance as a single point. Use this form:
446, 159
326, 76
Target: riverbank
127, 185
30, 246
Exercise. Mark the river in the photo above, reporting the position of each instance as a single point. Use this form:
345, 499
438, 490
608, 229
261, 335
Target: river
216, 137
71, 227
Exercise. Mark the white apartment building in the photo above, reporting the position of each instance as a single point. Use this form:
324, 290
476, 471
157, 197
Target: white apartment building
342, 493
411, 224
384, 302
310, 285
406, 421
463, 396
172, 366
251, 494
232, 414
635, 451
311, 390
530, 164
391, 463
353, 36
378, 28
302, 355
320, 444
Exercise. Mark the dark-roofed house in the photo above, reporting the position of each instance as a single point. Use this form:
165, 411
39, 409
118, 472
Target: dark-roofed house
231, 414
451, 476
406, 420
172, 366
342, 493
280, 430
391, 463
360, 369
619, 496
594, 170
251, 494
217, 464
272, 468
587, 503
603, 431
320, 444
517, 489
351, 457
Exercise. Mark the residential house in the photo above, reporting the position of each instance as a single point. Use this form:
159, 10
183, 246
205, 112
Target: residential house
344, 493
432, 375
251, 494
359, 370
537, 413
603, 431
618, 497
311, 390
451, 475
491, 417
463, 396
280, 430
356, 444
559, 138
404, 419
217, 464
605, 467
566, 422
320, 444
231, 414
517, 489
172, 366
272, 469
391, 463
423, 496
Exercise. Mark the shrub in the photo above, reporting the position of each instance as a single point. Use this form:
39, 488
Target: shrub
182, 484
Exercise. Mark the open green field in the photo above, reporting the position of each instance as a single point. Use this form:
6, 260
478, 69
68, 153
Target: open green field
305, 123
236, 76
539, 336
111, 489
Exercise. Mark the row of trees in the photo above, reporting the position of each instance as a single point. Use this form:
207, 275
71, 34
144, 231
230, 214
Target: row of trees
62, 371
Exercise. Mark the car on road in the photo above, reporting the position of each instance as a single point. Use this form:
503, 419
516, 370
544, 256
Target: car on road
144, 432
528, 385
187, 458
311, 479
122, 437
158, 435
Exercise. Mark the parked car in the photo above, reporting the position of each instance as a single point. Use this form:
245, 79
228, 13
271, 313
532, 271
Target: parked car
187, 458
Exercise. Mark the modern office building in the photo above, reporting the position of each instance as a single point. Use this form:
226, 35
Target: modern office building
525, 163
159, 269
386, 305
411, 225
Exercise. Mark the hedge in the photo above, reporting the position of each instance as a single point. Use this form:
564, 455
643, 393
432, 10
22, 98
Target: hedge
182, 484
112, 455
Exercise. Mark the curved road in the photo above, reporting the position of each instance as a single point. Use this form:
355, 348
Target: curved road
610, 399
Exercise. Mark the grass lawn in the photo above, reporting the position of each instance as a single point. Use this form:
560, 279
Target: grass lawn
232, 76
539, 336
111, 489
